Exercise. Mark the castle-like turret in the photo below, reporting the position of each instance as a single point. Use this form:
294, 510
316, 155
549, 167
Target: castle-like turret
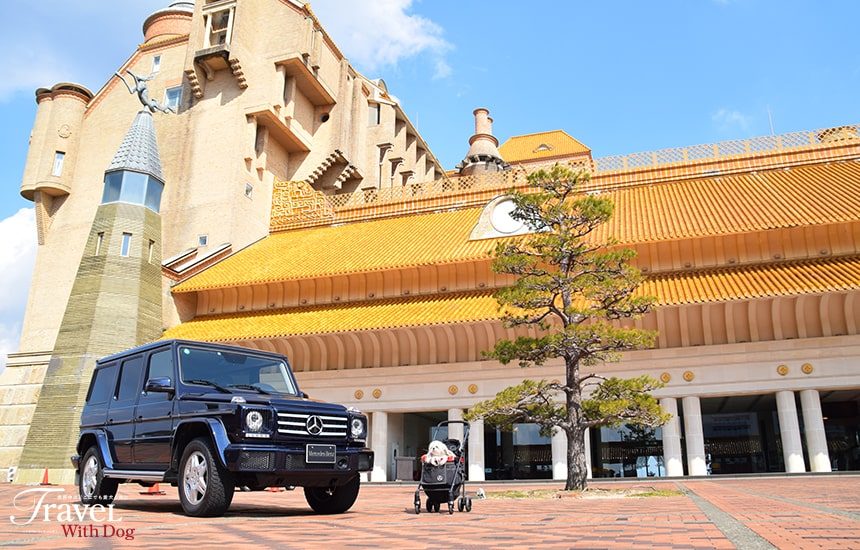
483, 155
115, 301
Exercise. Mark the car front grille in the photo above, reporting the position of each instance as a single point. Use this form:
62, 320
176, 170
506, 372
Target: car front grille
297, 424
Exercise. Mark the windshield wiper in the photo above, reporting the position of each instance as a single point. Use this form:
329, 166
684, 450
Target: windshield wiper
250, 387
209, 383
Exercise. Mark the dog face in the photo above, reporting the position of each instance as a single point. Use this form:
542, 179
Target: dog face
437, 448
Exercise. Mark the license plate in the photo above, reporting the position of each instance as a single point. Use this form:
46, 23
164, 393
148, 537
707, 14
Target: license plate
320, 454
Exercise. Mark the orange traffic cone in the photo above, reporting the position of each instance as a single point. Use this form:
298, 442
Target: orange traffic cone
153, 490
45, 478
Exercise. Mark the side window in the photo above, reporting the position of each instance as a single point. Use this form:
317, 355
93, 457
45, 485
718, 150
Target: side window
129, 380
102, 384
160, 366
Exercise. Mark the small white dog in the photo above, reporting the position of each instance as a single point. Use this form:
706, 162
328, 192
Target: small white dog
437, 453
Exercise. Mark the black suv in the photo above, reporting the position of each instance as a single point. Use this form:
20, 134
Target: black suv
209, 418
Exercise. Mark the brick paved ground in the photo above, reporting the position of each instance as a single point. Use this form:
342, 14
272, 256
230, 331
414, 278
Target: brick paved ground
797, 512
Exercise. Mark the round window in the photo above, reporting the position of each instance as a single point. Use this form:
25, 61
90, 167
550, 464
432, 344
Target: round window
501, 218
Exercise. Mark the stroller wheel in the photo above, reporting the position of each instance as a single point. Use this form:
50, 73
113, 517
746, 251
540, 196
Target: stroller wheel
468, 504
417, 508
461, 504
451, 507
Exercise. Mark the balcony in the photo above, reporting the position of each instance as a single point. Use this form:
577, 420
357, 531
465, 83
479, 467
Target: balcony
295, 65
285, 130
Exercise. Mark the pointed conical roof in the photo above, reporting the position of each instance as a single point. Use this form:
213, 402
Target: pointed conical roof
139, 149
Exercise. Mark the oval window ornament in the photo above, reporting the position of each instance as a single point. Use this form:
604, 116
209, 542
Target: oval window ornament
501, 220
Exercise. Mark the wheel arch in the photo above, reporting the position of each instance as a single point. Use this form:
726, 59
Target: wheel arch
97, 438
188, 430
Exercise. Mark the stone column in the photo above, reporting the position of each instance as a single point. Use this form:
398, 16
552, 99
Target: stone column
789, 431
559, 455
696, 462
379, 444
588, 452
476, 450
672, 458
455, 431
813, 429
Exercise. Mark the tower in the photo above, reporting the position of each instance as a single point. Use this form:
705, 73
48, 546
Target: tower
483, 155
115, 301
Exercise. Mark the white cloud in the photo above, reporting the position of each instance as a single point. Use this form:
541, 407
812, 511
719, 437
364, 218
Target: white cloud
730, 119
380, 33
28, 68
17, 255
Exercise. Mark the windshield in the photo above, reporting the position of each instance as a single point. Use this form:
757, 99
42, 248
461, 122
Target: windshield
235, 371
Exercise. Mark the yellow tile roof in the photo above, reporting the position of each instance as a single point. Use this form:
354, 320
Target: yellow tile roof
809, 195
715, 285
353, 248
540, 145
758, 281
367, 315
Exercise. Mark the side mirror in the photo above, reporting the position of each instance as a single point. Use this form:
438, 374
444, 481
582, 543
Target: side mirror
159, 385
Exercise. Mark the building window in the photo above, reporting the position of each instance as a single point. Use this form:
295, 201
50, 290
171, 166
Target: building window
249, 190
126, 244
219, 25
100, 239
373, 114
59, 157
151, 249
156, 64
173, 97
202, 240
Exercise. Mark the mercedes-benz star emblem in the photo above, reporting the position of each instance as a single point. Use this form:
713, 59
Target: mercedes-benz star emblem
314, 425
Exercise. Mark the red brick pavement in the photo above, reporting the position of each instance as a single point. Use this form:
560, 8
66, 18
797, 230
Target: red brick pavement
383, 517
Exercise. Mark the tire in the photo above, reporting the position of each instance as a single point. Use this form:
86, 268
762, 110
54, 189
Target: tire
337, 500
213, 497
468, 504
93, 487
461, 504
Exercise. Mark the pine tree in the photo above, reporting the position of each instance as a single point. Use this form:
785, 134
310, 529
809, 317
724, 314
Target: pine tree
573, 289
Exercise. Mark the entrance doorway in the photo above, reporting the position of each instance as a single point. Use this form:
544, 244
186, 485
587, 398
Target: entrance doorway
520, 454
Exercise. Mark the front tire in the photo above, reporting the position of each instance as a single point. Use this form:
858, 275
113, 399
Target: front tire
333, 500
93, 487
205, 487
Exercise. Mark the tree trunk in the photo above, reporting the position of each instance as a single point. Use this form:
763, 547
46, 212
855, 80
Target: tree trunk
577, 467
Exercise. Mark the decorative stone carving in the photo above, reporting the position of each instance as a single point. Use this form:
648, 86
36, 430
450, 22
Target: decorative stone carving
665, 377
782, 370
64, 131
377, 393
807, 368
358, 394
689, 376
473, 388
452, 389
296, 201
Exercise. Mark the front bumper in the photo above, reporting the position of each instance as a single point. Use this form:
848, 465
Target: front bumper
280, 460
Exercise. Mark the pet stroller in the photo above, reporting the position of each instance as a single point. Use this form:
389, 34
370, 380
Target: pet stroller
445, 482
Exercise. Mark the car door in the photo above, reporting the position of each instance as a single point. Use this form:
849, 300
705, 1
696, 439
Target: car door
154, 415
120, 416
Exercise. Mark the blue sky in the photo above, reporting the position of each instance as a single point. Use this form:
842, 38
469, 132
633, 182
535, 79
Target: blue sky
620, 76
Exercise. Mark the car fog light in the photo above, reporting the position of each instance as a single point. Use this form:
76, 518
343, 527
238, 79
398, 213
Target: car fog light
254, 421
357, 427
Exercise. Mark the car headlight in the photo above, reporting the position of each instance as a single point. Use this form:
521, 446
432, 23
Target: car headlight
356, 427
254, 421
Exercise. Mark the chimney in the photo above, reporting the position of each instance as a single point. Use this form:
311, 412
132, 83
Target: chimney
483, 155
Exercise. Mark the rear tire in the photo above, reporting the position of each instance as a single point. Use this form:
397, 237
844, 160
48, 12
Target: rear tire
93, 487
337, 500
205, 486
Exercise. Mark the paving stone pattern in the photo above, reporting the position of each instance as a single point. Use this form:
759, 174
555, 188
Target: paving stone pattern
794, 512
